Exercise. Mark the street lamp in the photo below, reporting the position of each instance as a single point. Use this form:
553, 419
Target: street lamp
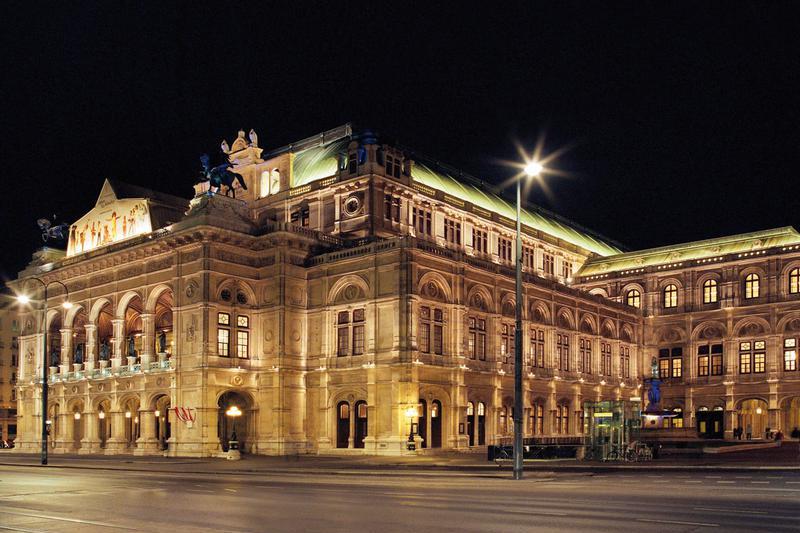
234, 412
531, 170
24, 299
411, 412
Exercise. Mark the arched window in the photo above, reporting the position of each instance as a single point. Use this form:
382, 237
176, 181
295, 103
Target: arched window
670, 296
264, 184
677, 420
562, 419
752, 288
710, 292
634, 298
794, 281
275, 181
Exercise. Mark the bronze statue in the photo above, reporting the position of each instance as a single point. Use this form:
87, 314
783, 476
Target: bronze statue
220, 175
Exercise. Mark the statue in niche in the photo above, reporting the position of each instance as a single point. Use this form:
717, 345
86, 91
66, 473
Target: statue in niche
162, 342
79, 354
55, 356
104, 350
131, 347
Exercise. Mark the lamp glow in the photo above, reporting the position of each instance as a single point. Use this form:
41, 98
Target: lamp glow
127, 414
533, 169
411, 412
101, 415
67, 305
758, 410
77, 415
234, 411
23, 299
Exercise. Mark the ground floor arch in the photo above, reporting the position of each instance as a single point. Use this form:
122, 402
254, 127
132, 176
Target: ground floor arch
234, 419
753, 418
791, 415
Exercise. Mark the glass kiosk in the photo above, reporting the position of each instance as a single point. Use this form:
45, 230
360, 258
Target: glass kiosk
610, 426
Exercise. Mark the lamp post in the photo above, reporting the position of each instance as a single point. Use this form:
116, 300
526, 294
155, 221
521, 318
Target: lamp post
25, 299
411, 412
532, 169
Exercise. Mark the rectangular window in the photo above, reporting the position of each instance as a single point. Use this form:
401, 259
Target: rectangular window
223, 319
425, 329
358, 339
452, 231
421, 220
625, 361
504, 249
352, 163
223, 342
393, 166
343, 341
790, 354
391, 206
759, 362
242, 344
480, 241
506, 343
242, 321
438, 332
566, 269
702, 365
548, 264
562, 351
528, 258
752, 357
536, 348
744, 363
605, 358
480, 343
585, 356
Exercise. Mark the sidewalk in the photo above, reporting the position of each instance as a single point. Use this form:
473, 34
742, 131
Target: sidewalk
787, 457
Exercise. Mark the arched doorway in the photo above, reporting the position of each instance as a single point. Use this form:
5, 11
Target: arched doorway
471, 423
130, 410
361, 424
227, 425
791, 415
753, 418
436, 424
343, 425
163, 426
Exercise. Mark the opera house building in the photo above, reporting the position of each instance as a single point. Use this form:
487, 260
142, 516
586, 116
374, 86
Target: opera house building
352, 295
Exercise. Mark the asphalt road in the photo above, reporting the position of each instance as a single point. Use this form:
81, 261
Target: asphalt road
56, 499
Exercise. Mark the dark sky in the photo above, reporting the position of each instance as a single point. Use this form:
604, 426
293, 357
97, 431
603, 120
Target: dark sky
683, 117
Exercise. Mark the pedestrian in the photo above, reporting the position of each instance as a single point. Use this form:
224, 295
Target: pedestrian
749, 432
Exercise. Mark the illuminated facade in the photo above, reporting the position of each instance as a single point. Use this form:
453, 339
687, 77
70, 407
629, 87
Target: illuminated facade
352, 293
9, 357
722, 323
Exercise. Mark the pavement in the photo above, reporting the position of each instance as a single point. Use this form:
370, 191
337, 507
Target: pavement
56, 500
785, 457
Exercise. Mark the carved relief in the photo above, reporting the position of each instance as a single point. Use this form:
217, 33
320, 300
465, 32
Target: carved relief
161, 264
130, 272
192, 290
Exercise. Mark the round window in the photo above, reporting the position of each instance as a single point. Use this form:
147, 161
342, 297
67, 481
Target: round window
225, 295
241, 298
352, 205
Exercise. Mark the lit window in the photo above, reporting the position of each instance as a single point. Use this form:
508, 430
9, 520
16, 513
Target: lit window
677, 420
752, 357
790, 354
794, 281
562, 419
223, 342
709, 360
670, 362
710, 292
242, 321
634, 298
670, 296
242, 344
223, 319
752, 286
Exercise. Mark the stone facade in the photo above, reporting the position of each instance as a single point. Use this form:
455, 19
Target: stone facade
9, 356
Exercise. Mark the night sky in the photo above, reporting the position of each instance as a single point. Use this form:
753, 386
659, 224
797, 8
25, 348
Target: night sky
683, 119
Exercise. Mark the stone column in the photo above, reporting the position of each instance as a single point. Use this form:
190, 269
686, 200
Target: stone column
117, 342
91, 347
148, 339
63, 437
116, 442
147, 443
66, 350
90, 443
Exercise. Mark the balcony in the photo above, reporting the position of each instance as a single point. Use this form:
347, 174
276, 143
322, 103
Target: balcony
108, 372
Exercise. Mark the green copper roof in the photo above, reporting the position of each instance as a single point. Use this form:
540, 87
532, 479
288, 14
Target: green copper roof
678, 253
485, 199
317, 163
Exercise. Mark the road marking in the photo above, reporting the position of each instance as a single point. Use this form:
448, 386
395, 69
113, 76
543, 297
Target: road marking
692, 481
73, 520
713, 477
793, 482
678, 522
730, 482
729, 510
231, 490
760, 482
7, 528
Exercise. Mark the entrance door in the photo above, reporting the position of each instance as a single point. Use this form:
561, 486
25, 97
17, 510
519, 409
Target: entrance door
423, 422
710, 424
361, 424
342, 425
436, 424
471, 423
481, 424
